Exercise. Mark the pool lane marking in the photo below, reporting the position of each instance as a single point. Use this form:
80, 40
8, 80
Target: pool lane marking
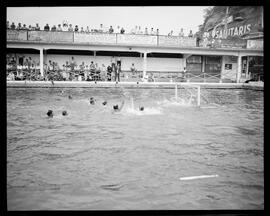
197, 177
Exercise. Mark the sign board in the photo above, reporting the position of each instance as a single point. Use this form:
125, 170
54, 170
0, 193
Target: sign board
228, 66
48, 36
136, 39
16, 35
226, 43
94, 38
255, 44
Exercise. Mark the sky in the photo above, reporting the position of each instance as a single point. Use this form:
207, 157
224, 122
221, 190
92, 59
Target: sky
165, 18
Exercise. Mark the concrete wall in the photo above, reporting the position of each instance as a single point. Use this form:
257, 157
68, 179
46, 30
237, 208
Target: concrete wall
153, 64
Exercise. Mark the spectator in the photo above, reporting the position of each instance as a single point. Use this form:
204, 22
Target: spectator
133, 69
152, 31
53, 28
103, 73
134, 30
24, 27
8, 27
157, 31
29, 27
110, 30
82, 31
76, 28
37, 28
101, 28
33, 28
190, 34
117, 73
171, 33
59, 27
109, 73
47, 27
70, 28
146, 31
113, 63
19, 27
72, 63
87, 29
181, 33
139, 31
65, 26
12, 26
122, 31
118, 30
118, 62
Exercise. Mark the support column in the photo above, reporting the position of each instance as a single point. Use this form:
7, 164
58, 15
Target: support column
246, 75
238, 74
144, 64
41, 62
94, 54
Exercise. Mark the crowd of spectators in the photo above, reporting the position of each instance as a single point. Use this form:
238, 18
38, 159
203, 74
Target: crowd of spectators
70, 71
102, 29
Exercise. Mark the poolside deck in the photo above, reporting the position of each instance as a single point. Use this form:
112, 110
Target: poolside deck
99, 84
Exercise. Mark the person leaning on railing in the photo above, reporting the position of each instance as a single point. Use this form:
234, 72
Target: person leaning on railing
109, 73
47, 27
13, 27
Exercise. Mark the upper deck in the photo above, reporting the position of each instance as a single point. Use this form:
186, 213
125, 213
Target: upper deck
113, 39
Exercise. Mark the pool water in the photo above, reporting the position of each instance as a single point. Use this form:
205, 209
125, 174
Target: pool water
95, 159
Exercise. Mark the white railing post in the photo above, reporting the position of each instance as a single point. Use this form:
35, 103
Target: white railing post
41, 62
199, 96
176, 92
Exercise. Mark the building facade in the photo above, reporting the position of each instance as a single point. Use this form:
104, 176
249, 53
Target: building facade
216, 60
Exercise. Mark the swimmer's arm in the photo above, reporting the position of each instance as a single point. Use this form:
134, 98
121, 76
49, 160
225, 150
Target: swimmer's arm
122, 105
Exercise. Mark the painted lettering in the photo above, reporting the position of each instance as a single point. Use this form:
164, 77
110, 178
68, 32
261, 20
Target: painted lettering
248, 27
235, 31
241, 30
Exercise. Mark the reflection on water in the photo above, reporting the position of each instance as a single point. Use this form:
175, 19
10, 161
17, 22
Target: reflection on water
96, 159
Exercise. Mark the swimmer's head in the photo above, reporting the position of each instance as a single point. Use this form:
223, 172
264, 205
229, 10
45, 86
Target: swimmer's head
141, 108
92, 101
64, 113
115, 107
50, 113
69, 97
104, 103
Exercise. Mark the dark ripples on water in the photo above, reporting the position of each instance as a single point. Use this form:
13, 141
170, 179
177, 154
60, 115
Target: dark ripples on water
93, 159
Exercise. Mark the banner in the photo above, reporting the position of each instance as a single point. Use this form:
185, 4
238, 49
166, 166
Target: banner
94, 38
48, 36
134, 39
255, 44
16, 35
226, 43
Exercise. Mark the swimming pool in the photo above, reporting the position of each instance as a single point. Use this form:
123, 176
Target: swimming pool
95, 159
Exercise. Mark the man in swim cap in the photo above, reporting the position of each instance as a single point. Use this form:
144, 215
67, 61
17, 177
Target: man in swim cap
50, 113
64, 113
92, 101
104, 103
141, 108
116, 108
69, 97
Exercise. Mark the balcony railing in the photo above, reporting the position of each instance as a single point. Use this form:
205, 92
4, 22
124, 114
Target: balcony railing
127, 39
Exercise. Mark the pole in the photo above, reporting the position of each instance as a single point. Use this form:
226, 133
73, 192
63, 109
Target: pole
199, 96
238, 74
176, 92
144, 64
41, 62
